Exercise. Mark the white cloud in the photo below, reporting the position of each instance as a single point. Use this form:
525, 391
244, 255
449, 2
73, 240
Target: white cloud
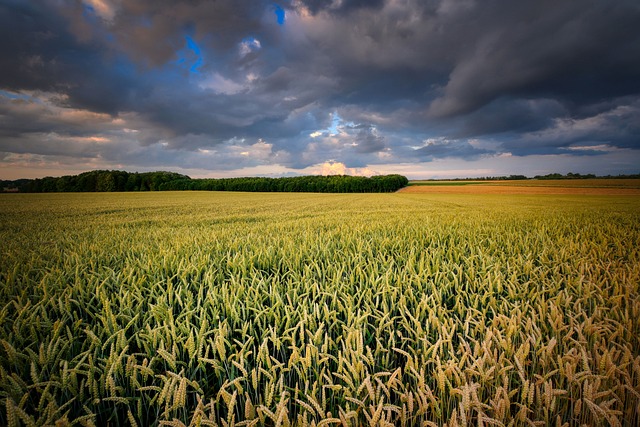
249, 45
104, 8
338, 168
220, 84
598, 148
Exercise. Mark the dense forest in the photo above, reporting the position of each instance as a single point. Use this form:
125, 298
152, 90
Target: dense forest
106, 181
100, 180
313, 184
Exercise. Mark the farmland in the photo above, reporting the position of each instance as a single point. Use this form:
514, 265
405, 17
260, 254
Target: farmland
204, 308
597, 186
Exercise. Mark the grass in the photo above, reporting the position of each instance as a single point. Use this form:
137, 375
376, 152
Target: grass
308, 309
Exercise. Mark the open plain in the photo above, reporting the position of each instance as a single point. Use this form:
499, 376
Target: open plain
429, 308
602, 187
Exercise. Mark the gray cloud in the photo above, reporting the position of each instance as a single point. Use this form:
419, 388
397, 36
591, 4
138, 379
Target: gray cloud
559, 48
369, 141
443, 148
337, 7
616, 128
475, 79
511, 116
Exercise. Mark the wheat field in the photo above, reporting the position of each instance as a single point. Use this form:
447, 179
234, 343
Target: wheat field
232, 309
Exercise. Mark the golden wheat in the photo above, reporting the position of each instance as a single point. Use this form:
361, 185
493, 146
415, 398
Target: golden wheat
279, 309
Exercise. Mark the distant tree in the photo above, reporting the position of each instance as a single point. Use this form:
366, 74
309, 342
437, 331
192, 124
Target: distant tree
87, 181
63, 184
105, 182
120, 179
133, 182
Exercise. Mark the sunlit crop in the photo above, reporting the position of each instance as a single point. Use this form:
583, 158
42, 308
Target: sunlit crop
236, 309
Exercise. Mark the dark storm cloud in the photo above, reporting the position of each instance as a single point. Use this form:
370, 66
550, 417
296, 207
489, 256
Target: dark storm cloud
20, 116
369, 141
616, 128
154, 29
38, 53
512, 116
442, 148
529, 77
485, 51
30, 41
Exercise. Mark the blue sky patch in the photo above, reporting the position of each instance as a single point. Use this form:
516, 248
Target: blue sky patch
192, 45
89, 13
12, 95
280, 14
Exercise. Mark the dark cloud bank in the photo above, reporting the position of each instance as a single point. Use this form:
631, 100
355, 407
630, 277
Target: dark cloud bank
232, 84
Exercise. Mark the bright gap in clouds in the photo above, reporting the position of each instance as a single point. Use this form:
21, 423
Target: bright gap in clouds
12, 95
101, 8
339, 168
248, 45
280, 14
193, 46
336, 120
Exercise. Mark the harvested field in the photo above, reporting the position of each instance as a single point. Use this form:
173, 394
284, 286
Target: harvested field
505, 189
599, 187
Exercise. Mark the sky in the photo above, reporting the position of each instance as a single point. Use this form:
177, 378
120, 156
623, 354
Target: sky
221, 88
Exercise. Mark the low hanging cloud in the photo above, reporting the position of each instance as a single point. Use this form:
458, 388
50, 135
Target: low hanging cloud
127, 83
338, 168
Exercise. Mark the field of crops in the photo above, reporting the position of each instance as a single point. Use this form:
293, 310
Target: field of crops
627, 183
403, 309
585, 187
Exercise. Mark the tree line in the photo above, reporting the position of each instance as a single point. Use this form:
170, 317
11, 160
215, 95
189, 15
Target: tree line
108, 181
312, 184
97, 181
570, 175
